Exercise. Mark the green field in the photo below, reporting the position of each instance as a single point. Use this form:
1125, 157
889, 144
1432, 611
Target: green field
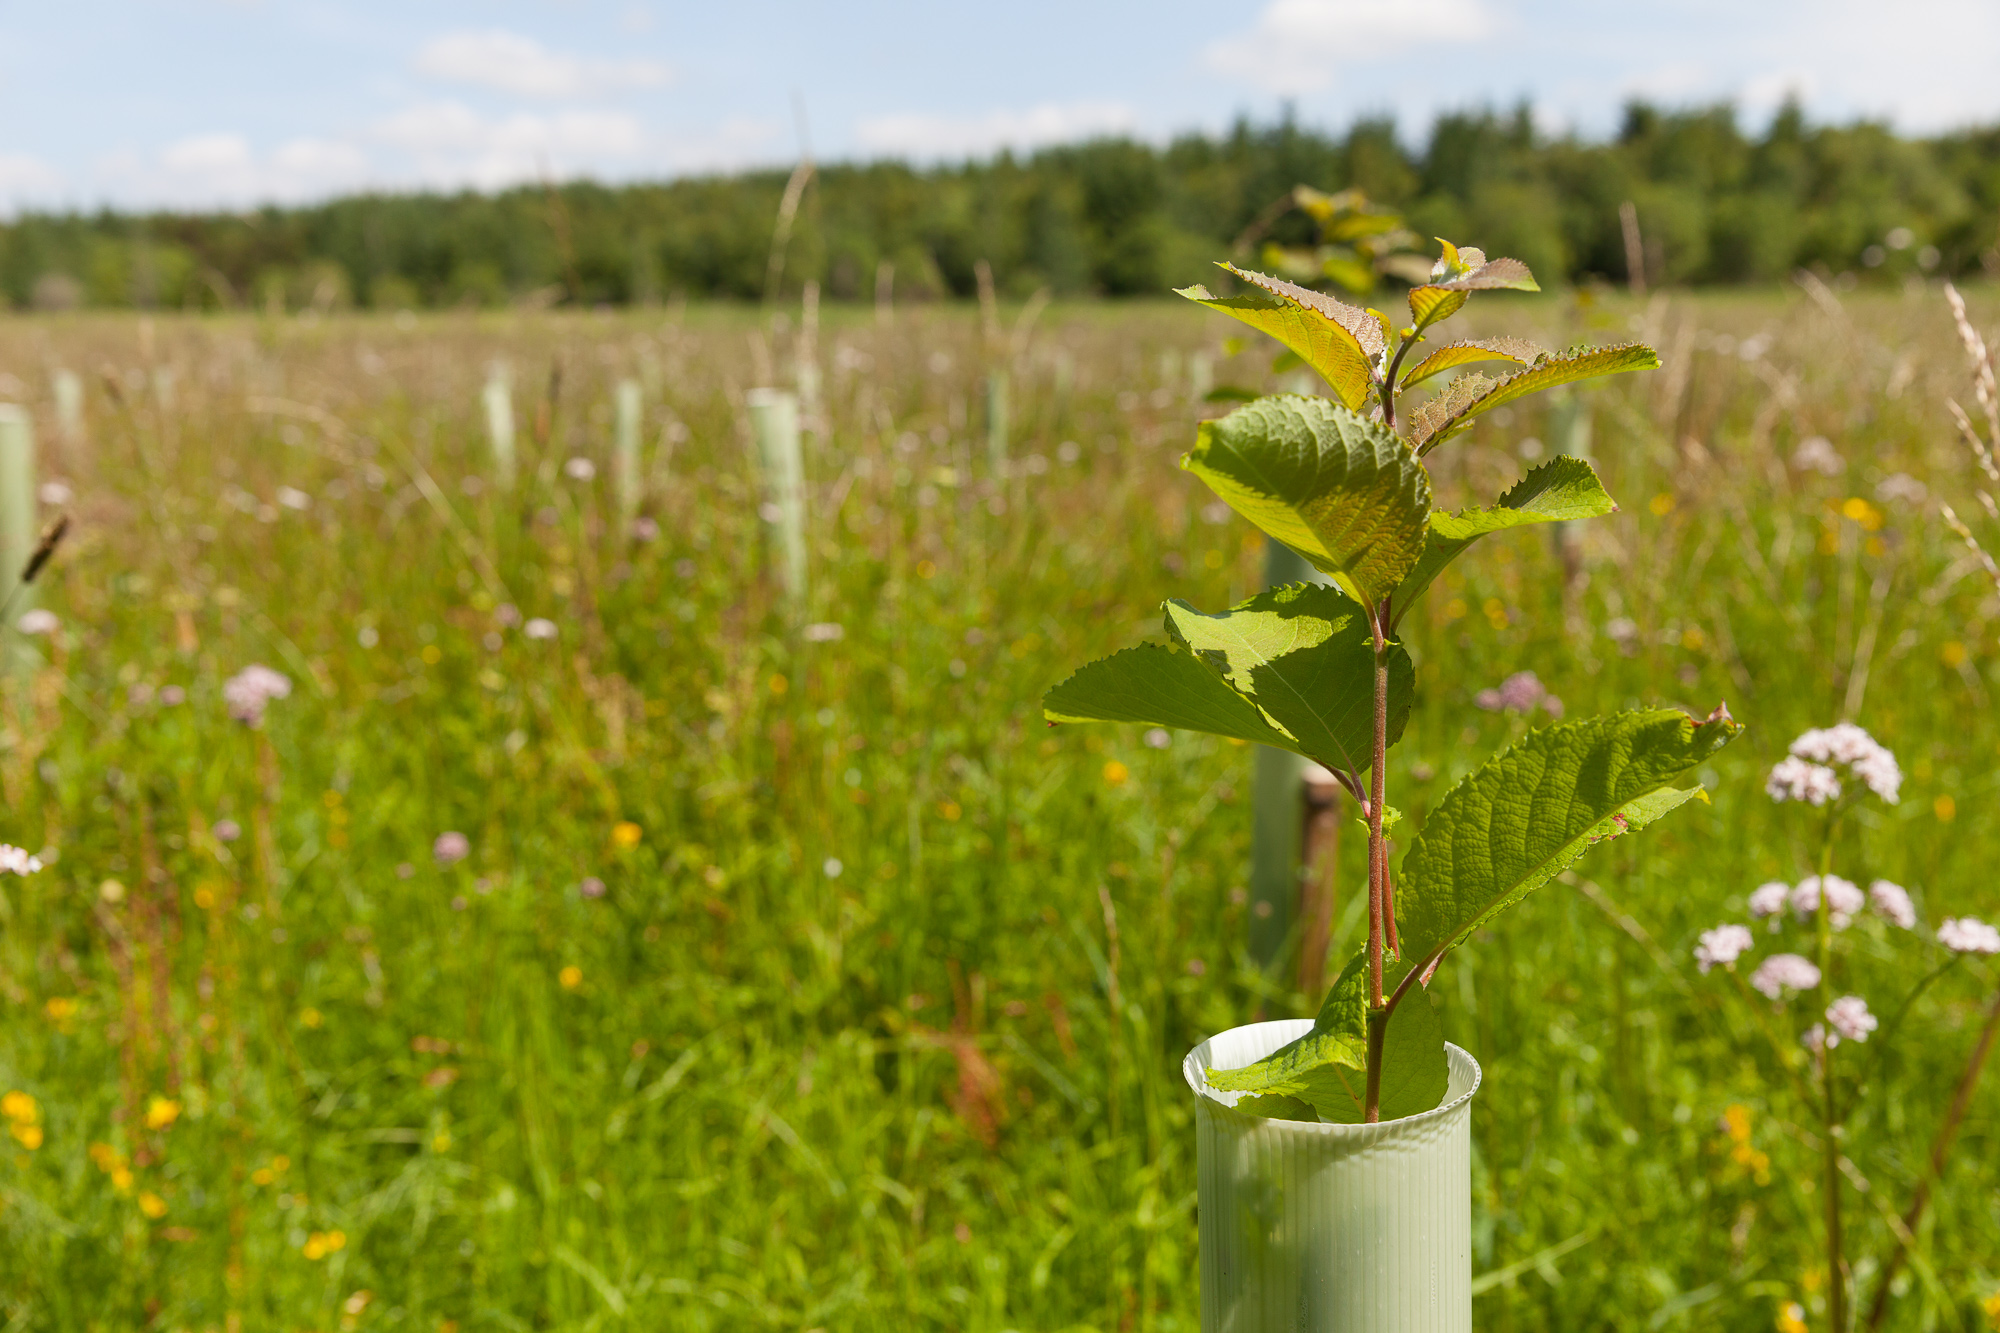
877, 1021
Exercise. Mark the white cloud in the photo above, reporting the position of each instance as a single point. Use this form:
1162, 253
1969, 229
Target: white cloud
26, 180
1298, 45
510, 63
452, 145
922, 135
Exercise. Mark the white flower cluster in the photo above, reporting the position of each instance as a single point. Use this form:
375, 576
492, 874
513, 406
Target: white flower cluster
1849, 1018
1793, 779
1782, 972
1806, 773
16, 861
1769, 900
1892, 902
1722, 946
248, 692
1968, 934
1844, 901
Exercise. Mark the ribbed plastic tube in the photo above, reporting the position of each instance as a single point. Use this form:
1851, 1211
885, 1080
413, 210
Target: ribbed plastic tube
1309, 1228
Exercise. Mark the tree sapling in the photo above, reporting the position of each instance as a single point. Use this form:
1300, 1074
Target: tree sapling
1319, 670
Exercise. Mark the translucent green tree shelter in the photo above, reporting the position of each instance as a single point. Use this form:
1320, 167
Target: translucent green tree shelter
68, 389
625, 449
997, 422
774, 428
19, 536
497, 398
1318, 670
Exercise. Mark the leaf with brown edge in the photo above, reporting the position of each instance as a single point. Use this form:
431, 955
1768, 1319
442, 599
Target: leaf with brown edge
1452, 355
1470, 395
1340, 341
1458, 396
1492, 275
1457, 274
1469, 270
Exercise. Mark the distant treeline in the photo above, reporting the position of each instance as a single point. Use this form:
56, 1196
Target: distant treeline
1112, 217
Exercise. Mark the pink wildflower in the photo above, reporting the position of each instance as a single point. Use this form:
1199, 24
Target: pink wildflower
1769, 899
450, 848
1844, 899
1782, 972
1968, 934
1867, 759
1723, 945
1850, 1018
16, 861
1793, 779
1892, 902
251, 689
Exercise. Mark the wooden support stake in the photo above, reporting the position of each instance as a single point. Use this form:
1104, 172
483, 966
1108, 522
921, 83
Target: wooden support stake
1278, 841
1319, 857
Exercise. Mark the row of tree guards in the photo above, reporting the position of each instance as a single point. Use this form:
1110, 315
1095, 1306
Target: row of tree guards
1295, 852
498, 400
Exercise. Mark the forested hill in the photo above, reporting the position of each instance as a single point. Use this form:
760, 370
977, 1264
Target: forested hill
1114, 217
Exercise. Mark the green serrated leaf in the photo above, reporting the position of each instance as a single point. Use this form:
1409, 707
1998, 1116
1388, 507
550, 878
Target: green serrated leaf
1453, 411
1275, 1106
1339, 1037
1414, 1071
1563, 489
1340, 341
1304, 657
1453, 355
1161, 686
1342, 491
1326, 1068
1527, 814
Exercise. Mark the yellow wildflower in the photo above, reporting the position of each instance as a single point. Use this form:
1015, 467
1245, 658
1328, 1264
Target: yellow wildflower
28, 1136
626, 834
571, 977
322, 1243
152, 1205
161, 1112
1116, 773
20, 1108
1792, 1318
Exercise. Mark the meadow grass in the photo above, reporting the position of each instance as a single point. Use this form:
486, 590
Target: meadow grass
877, 1020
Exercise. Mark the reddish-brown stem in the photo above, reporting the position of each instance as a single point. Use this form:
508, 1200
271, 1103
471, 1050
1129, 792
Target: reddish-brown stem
1378, 865
1961, 1102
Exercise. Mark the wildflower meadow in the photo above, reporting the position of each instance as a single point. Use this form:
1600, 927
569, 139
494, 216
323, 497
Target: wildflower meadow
449, 887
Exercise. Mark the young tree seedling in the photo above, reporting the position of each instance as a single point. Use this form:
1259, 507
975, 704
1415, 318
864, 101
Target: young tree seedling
1319, 670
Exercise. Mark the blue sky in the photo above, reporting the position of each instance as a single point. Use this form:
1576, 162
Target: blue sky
205, 103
